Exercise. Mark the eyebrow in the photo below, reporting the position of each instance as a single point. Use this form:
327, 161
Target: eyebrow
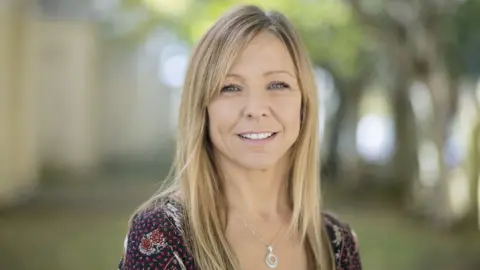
265, 74
278, 71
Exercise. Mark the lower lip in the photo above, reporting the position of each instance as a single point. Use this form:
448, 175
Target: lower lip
258, 141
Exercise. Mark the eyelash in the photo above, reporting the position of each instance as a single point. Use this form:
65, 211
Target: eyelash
228, 88
273, 85
282, 84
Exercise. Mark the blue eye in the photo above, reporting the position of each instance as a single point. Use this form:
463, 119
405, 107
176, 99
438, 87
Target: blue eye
278, 85
230, 88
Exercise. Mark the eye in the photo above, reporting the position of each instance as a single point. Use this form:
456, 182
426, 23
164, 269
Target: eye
230, 88
278, 85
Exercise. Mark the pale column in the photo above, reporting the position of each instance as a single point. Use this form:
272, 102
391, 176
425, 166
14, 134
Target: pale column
6, 75
135, 108
18, 159
64, 72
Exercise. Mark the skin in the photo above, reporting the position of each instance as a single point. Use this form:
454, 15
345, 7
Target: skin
260, 94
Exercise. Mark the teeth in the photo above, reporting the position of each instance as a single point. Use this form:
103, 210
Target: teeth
256, 136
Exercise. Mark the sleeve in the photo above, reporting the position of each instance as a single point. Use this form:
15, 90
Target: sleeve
152, 242
351, 254
344, 244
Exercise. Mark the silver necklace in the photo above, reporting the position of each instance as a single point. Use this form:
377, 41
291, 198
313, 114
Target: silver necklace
271, 259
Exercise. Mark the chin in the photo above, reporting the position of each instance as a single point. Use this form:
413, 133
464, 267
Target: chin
257, 164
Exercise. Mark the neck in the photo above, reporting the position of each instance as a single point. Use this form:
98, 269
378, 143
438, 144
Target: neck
258, 194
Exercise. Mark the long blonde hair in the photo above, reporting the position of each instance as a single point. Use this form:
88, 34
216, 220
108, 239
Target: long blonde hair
193, 173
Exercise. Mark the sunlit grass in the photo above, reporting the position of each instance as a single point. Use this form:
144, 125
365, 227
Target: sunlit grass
68, 241
88, 233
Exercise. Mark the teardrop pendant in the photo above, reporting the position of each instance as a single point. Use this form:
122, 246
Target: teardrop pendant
271, 259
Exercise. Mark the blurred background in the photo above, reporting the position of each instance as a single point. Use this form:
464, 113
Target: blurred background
89, 93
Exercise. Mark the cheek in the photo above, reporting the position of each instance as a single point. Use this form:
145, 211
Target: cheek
220, 119
289, 112
294, 120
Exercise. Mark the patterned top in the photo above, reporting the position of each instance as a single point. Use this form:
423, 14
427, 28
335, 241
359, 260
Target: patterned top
155, 241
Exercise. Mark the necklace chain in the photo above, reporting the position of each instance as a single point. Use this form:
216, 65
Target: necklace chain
259, 237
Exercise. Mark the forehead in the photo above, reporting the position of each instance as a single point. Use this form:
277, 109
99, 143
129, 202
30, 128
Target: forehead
265, 52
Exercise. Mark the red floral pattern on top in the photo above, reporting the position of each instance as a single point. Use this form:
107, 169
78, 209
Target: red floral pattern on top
157, 237
155, 241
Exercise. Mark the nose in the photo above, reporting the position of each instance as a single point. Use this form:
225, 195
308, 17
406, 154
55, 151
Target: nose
257, 105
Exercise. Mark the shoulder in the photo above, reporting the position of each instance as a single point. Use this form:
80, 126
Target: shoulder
155, 239
343, 242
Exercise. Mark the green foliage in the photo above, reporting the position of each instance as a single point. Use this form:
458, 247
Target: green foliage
332, 36
462, 38
329, 30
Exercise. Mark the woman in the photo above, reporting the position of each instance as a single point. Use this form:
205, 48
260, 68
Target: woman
245, 192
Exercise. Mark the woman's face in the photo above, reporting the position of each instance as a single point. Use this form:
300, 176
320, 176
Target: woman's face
256, 118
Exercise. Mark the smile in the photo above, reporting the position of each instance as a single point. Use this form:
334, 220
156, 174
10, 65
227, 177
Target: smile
257, 136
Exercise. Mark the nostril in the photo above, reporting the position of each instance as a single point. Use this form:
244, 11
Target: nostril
255, 114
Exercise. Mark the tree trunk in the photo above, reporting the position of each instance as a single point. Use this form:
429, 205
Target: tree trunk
438, 83
350, 93
406, 165
331, 161
474, 164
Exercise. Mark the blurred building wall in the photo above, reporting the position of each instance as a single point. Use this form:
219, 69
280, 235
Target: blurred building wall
18, 142
70, 100
135, 111
63, 70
